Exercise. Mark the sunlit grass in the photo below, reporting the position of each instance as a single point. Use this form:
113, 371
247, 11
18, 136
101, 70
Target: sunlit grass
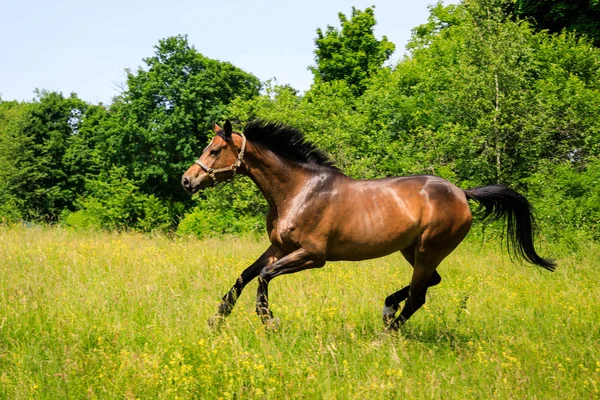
123, 315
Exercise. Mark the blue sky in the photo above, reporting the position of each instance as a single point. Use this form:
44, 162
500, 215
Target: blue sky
84, 46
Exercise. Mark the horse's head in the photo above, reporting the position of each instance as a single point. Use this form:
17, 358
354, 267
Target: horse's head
219, 160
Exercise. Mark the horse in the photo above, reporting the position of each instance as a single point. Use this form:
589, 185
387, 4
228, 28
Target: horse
318, 214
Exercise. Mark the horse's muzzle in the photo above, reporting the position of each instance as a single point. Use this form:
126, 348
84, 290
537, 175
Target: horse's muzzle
186, 183
190, 184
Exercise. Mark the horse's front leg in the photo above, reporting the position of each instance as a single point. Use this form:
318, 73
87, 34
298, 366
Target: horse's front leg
228, 301
296, 261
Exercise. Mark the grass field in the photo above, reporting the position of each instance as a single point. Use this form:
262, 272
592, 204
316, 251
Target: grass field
124, 316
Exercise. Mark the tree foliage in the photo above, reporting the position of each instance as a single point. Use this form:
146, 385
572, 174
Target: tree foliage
575, 16
115, 202
51, 148
485, 99
567, 199
15, 161
165, 113
352, 53
46, 154
481, 97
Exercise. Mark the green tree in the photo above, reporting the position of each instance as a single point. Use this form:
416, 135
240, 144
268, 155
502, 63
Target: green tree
86, 156
567, 199
579, 16
163, 117
483, 99
114, 202
325, 113
45, 153
351, 54
16, 158
54, 125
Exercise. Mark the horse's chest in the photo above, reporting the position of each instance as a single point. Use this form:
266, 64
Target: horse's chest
297, 223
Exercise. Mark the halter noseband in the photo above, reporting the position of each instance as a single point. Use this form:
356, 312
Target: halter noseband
211, 172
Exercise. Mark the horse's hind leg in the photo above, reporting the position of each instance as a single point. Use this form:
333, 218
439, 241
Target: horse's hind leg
392, 302
262, 301
424, 262
424, 272
428, 254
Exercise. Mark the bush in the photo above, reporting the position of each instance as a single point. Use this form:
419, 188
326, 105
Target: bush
567, 200
205, 223
118, 204
228, 209
9, 211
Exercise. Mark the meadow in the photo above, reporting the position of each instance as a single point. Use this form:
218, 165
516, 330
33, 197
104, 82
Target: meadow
123, 315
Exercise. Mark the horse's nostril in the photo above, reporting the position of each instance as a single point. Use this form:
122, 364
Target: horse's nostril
185, 182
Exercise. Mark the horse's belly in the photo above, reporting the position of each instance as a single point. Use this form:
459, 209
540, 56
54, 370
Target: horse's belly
372, 243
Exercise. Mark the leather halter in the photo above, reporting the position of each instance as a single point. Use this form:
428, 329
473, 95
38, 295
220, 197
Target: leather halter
211, 172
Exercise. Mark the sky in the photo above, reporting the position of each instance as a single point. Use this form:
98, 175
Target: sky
85, 46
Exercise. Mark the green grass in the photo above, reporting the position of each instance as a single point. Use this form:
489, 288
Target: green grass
124, 316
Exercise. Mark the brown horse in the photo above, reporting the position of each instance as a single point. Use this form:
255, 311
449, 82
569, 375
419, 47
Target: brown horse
318, 214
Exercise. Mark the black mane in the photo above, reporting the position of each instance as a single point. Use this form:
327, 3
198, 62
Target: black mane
286, 142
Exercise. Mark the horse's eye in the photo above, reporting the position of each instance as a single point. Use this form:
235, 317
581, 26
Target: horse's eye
215, 152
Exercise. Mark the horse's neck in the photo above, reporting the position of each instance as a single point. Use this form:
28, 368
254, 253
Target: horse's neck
276, 177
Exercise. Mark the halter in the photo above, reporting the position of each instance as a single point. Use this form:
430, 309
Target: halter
211, 172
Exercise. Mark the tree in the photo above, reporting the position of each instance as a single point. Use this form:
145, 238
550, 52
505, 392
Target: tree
44, 154
54, 125
15, 158
484, 99
579, 16
351, 54
163, 117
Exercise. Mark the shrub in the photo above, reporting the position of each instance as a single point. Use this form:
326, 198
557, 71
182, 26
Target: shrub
9, 211
228, 209
117, 203
567, 200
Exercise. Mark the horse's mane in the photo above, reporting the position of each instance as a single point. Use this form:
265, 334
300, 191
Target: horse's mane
286, 142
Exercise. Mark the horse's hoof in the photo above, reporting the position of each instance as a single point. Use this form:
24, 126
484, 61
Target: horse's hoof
272, 324
216, 321
389, 315
392, 327
388, 321
396, 324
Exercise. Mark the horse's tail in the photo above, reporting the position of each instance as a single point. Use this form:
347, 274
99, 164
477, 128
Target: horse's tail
498, 201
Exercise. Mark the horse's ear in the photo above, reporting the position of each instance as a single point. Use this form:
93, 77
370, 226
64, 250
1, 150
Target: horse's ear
228, 130
216, 127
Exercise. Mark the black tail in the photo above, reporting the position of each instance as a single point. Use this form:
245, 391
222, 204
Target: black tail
498, 201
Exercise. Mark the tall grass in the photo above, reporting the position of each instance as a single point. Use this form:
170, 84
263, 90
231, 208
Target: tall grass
123, 316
